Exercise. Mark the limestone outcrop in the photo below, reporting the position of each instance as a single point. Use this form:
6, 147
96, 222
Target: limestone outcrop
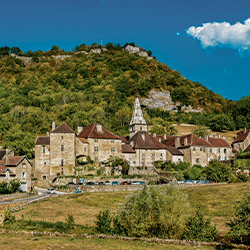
132, 50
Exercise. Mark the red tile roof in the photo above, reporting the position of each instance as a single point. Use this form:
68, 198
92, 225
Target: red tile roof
63, 128
218, 142
3, 169
83, 140
15, 160
148, 143
174, 151
241, 136
123, 138
247, 148
127, 148
43, 140
90, 131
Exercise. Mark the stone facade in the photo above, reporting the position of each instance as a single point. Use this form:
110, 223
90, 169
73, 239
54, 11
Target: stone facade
242, 141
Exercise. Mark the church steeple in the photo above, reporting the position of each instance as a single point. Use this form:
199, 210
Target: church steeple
137, 122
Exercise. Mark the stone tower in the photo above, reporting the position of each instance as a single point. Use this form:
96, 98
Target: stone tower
137, 122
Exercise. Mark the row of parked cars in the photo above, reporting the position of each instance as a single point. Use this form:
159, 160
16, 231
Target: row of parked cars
193, 182
100, 183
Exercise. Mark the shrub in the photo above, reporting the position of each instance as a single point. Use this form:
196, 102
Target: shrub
104, 219
240, 226
198, 228
154, 212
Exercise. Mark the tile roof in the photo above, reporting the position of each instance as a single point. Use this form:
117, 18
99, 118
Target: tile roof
241, 136
43, 140
174, 151
14, 160
247, 148
148, 143
63, 128
90, 131
127, 148
192, 140
83, 140
3, 169
123, 138
218, 142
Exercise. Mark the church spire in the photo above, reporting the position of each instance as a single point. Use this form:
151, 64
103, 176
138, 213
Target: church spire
137, 122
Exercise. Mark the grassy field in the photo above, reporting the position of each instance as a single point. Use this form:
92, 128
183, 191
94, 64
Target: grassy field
216, 201
23, 242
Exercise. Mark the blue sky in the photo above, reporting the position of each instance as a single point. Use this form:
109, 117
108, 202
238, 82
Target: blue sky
206, 41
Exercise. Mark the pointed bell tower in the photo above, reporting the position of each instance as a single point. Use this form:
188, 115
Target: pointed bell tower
137, 122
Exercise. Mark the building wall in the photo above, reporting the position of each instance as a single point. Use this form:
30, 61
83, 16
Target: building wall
177, 158
242, 145
100, 149
42, 161
62, 161
81, 148
133, 129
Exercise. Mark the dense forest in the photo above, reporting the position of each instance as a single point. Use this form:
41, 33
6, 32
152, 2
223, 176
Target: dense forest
91, 87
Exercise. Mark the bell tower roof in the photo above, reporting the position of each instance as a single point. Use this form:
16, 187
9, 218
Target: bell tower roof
137, 117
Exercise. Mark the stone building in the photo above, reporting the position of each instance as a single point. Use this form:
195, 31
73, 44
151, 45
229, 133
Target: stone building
16, 167
242, 141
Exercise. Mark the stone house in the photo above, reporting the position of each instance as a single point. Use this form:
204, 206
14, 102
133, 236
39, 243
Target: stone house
242, 141
16, 167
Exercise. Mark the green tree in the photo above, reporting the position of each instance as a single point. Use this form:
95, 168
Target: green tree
199, 228
154, 212
222, 122
103, 222
240, 226
200, 131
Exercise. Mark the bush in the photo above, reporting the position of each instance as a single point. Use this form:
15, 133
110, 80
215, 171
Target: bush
154, 212
104, 219
240, 226
199, 229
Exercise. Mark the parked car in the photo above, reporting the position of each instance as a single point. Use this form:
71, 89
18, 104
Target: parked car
107, 183
100, 183
135, 183
114, 182
125, 183
96, 183
51, 191
71, 183
77, 191
80, 183
89, 183
142, 182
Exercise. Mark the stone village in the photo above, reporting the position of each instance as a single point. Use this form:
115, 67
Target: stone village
56, 153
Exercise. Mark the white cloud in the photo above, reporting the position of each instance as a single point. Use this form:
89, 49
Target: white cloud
178, 34
223, 34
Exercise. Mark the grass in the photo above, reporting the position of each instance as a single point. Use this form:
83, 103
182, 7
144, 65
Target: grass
26, 242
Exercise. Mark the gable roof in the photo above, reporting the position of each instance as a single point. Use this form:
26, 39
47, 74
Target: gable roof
148, 143
218, 142
90, 131
3, 169
63, 128
43, 140
192, 140
123, 138
174, 151
15, 160
247, 148
127, 148
241, 136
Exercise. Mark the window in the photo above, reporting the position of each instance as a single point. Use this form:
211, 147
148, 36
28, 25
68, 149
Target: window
204, 150
62, 147
211, 150
122, 156
161, 155
112, 150
143, 164
44, 177
96, 159
238, 145
152, 163
197, 160
23, 175
153, 156
96, 149
24, 165
96, 140
112, 141
225, 150
219, 158
43, 149
62, 137
140, 127
193, 148
62, 163
143, 156
225, 158
84, 149
200, 149
218, 150
62, 172
44, 163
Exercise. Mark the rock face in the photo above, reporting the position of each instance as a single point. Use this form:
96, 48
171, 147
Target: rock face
163, 99
132, 49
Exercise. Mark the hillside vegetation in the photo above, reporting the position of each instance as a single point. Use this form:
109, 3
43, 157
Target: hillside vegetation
86, 88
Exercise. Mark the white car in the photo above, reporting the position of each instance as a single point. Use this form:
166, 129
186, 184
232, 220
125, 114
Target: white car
51, 191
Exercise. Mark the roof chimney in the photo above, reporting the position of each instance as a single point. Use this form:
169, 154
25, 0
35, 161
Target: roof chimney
185, 141
79, 129
165, 136
219, 136
177, 142
132, 143
143, 136
53, 125
154, 134
245, 130
99, 128
206, 137
47, 134
159, 139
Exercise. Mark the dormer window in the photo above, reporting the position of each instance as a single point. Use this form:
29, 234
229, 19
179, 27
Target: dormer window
143, 136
